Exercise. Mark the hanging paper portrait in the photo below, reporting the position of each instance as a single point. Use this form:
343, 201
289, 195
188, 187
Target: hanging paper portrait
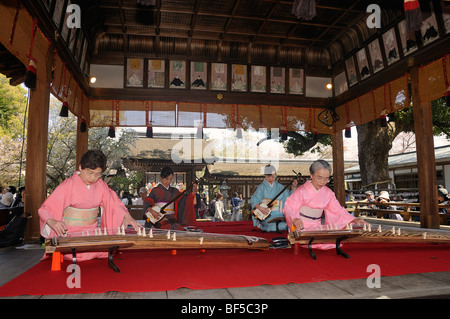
219, 76
135, 73
73, 39
83, 54
340, 83
65, 31
296, 81
47, 4
177, 74
407, 38
199, 73
156, 73
390, 46
351, 71
375, 56
258, 79
363, 64
58, 12
78, 46
239, 78
429, 29
277, 80
446, 15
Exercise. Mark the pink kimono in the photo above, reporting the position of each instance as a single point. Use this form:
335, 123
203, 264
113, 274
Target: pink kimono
324, 199
74, 193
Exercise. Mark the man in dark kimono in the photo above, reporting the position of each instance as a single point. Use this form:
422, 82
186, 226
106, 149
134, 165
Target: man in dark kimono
176, 215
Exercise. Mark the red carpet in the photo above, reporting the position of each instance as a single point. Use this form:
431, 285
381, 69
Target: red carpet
159, 270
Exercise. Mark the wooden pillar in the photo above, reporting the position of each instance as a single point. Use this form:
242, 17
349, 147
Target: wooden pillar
82, 143
426, 162
37, 140
338, 166
190, 173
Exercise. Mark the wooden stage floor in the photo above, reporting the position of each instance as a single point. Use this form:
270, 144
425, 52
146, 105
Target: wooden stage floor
15, 261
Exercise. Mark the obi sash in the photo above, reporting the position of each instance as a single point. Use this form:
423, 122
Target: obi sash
310, 213
169, 209
80, 217
275, 205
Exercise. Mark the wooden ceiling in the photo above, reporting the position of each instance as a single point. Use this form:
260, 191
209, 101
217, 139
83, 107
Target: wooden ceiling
11, 66
247, 31
238, 31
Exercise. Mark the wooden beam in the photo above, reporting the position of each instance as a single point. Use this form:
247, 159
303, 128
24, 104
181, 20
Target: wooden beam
197, 96
338, 166
426, 162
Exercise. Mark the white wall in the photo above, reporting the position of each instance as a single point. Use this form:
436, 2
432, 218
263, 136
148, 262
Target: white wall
317, 87
108, 76
447, 176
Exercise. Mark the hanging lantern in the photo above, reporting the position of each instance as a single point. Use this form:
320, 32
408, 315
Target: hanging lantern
112, 129
348, 131
383, 120
83, 126
64, 109
149, 132
284, 132
112, 132
30, 73
315, 136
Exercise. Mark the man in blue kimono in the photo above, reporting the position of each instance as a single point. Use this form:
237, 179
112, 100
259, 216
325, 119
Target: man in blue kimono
265, 192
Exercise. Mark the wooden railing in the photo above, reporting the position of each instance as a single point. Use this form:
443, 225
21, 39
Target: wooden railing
404, 209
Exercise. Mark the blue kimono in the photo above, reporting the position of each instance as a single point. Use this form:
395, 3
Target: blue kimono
264, 194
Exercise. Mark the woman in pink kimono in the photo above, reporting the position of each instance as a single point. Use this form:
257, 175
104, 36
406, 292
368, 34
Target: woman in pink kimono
303, 209
73, 206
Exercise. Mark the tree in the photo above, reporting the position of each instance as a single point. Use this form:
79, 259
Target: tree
61, 151
375, 141
115, 149
61, 146
124, 181
301, 142
13, 102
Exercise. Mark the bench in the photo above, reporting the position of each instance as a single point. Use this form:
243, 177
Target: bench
407, 214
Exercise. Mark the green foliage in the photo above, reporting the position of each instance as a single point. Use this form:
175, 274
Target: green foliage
61, 155
404, 119
126, 181
400, 121
301, 142
13, 101
441, 117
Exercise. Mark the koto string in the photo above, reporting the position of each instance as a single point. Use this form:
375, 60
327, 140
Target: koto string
156, 231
